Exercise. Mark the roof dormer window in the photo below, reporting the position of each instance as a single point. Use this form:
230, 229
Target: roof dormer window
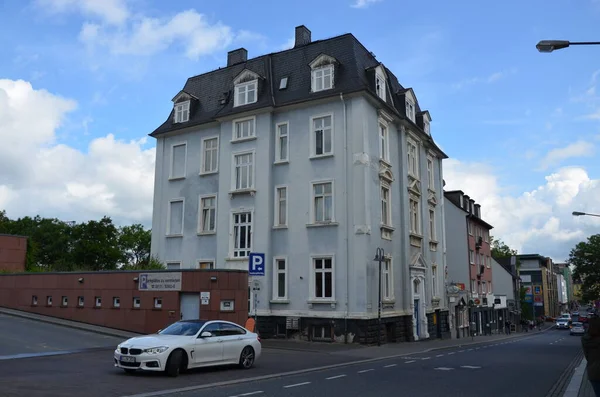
426, 127
410, 110
322, 73
245, 93
182, 112
380, 85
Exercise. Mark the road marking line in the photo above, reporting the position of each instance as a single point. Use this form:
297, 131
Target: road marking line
408, 362
477, 348
335, 377
389, 366
249, 394
440, 355
469, 350
296, 385
451, 353
365, 370
443, 369
551, 343
461, 351
470, 366
425, 358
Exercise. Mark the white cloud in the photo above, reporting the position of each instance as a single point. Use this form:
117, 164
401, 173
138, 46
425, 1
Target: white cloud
536, 221
492, 78
41, 176
113, 12
364, 3
573, 150
290, 43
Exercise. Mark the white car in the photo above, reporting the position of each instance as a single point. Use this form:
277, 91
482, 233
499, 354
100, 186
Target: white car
189, 344
577, 328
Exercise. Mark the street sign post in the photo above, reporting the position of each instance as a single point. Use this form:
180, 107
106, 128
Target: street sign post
256, 264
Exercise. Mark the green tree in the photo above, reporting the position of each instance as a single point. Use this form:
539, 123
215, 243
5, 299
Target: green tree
96, 245
500, 249
134, 243
585, 257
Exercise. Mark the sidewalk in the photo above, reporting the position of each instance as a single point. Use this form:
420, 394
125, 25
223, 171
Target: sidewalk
350, 350
579, 386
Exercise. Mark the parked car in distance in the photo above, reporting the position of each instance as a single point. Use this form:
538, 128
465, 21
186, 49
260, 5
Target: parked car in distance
575, 314
189, 344
577, 328
563, 323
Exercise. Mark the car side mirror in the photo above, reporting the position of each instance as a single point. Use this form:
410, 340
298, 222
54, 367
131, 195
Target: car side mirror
158, 331
206, 334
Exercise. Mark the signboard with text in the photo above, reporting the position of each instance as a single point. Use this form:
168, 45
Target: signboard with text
160, 281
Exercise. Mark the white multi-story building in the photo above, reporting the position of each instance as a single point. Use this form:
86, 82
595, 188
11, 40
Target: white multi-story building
315, 156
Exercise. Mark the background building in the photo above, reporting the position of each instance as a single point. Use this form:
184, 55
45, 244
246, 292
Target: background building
313, 157
13, 253
538, 276
507, 283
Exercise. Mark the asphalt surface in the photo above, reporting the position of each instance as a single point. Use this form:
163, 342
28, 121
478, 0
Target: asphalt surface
20, 337
514, 368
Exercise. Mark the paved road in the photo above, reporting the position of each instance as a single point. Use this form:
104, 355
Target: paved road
516, 368
21, 337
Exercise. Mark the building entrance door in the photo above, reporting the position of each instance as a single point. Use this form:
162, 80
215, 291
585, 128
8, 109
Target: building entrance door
190, 306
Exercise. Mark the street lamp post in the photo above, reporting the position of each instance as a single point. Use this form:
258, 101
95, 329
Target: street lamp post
551, 45
379, 257
577, 213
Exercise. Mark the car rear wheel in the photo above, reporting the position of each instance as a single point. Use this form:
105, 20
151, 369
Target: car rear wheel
174, 363
247, 358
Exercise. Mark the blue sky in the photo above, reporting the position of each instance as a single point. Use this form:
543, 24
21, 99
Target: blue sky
504, 112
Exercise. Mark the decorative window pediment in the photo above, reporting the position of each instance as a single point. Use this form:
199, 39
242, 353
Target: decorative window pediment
417, 261
183, 96
386, 175
414, 186
322, 60
245, 76
432, 199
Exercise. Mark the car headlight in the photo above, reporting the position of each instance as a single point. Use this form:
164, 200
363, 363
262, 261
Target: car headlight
118, 348
156, 350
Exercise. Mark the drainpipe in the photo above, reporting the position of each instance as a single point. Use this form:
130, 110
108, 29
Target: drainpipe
348, 224
469, 307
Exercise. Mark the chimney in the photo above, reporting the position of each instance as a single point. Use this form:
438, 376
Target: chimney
478, 210
472, 206
302, 36
237, 56
466, 200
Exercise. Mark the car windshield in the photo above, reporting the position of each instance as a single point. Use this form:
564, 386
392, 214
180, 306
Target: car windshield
184, 328
577, 324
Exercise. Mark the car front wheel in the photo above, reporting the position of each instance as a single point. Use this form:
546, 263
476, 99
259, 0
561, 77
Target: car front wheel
174, 363
247, 358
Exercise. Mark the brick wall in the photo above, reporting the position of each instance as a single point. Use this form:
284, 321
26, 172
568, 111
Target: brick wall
13, 250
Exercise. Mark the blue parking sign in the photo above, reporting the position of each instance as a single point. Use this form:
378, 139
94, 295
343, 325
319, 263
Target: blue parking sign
256, 264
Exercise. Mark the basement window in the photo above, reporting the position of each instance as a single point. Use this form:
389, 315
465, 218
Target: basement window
98, 301
48, 301
283, 83
80, 301
116, 301
157, 303
34, 301
65, 301
137, 302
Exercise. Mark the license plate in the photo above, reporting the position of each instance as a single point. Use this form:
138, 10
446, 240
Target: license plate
126, 359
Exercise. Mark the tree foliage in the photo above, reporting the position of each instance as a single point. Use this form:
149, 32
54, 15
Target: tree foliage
500, 249
55, 245
585, 257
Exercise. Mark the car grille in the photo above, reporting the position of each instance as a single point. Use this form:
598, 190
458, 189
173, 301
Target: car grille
133, 352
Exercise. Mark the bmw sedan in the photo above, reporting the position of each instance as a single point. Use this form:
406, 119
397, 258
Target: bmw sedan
562, 323
189, 344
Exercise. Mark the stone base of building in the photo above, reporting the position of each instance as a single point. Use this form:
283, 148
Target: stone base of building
393, 329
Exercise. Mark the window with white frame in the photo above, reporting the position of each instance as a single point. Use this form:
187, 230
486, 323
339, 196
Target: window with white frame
434, 280
387, 280
426, 127
210, 154
173, 265
486, 236
281, 206
176, 211
410, 110
282, 143
489, 287
245, 93
322, 202
415, 218
384, 142
416, 285
473, 286
386, 205
244, 129
488, 261
322, 132
242, 234
413, 158
430, 173
471, 257
432, 224
243, 170
322, 78
280, 281
483, 287
323, 278
208, 214
182, 112
178, 160
380, 86
470, 228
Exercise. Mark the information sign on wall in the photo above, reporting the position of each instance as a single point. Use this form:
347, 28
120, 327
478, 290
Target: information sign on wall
159, 281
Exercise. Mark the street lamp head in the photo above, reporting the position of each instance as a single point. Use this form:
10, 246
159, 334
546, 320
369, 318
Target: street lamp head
379, 254
551, 45
577, 213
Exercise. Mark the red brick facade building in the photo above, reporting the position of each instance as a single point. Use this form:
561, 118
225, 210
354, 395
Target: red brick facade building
13, 250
